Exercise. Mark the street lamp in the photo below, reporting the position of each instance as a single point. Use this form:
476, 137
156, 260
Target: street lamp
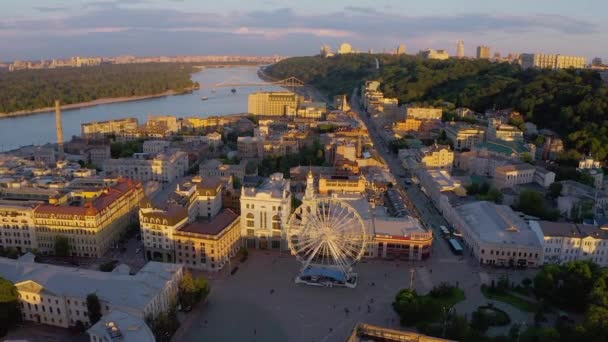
446, 314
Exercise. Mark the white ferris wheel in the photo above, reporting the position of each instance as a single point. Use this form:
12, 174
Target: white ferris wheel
327, 236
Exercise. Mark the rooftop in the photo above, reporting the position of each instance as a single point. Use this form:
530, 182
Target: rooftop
497, 224
130, 328
213, 226
515, 167
132, 293
571, 230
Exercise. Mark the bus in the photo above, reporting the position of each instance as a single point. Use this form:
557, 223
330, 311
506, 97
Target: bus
455, 246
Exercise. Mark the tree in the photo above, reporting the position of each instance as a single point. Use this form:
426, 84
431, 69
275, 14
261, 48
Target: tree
62, 246
10, 314
94, 308
531, 202
555, 190
480, 321
192, 290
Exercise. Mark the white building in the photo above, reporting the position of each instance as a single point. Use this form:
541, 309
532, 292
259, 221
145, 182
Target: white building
507, 176
544, 177
164, 167
156, 146
563, 242
122, 326
265, 213
17, 228
496, 235
56, 295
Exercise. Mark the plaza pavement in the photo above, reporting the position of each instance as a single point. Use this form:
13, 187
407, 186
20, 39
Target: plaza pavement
242, 308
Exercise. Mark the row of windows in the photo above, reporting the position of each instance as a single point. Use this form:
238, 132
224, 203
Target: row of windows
509, 253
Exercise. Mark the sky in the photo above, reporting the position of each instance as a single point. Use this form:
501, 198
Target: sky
45, 29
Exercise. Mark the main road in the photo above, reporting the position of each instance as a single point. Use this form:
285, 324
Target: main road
416, 200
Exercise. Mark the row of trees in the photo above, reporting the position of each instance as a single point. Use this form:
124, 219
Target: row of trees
573, 103
313, 154
33, 89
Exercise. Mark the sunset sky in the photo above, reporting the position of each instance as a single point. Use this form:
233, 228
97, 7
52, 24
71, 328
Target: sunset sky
35, 29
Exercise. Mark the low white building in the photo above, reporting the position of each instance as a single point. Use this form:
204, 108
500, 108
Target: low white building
165, 167
507, 176
563, 242
496, 235
544, 177
156, 146
265, 211
57, 295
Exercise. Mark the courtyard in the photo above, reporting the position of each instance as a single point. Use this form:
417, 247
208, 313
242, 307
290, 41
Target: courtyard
261, 302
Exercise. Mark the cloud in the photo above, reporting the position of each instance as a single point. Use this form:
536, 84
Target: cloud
362, 25
46, 9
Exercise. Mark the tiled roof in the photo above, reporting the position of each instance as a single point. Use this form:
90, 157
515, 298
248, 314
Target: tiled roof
214, 226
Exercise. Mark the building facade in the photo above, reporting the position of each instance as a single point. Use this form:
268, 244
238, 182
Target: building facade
423, 113
548, 61
164, 167
101, 129
464, 136
273, 103
265, 213
508, 176
484, 52
17, 229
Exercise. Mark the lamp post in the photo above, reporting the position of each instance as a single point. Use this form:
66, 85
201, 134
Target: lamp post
446, 314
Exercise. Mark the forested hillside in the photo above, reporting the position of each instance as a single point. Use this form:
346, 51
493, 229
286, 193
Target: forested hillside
33, 89
573, 103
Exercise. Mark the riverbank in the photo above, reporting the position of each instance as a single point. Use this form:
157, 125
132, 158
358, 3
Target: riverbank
93, 103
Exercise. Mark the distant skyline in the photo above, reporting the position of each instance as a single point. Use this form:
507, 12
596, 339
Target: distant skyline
42, 29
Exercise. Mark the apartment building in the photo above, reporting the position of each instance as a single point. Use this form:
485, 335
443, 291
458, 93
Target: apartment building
484, 52
504, 132
208, 244
507, 176
164, 167
17, 228
265, 211
434, 54
423, 113
464, 136
564, 242
549, 61
56, 295
437, 157
101, 129
250, 147
157, 229
92, 220
350, 184
400, 238
280, 103
156, 146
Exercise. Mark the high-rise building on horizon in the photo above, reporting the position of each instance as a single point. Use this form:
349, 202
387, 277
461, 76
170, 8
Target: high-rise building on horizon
460, 49
483, 52
401, 49
547, 61
596, 61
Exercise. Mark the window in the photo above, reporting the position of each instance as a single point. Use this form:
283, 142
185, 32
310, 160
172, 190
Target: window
250, 220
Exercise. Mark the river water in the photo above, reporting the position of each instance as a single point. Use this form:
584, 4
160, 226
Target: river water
39, 129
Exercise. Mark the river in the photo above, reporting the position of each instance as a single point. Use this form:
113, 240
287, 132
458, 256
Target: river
39, 129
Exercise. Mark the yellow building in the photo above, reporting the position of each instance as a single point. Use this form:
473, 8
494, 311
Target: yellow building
437, 157
409, 125
91, 220
465, 136
423, 113
484, 52
278, 103
341, 184
118, 127
209, 244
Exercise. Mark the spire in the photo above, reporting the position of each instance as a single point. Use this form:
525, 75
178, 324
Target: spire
310, 185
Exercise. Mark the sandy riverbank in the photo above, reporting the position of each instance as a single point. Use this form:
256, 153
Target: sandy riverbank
88, 104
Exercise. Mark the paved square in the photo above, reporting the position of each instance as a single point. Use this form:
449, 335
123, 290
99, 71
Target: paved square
241, 307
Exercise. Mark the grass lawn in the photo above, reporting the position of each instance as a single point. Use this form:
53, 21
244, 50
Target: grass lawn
457, 296
510, 299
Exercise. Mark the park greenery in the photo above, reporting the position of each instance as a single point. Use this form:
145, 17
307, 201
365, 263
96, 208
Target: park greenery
192, 290
34, 89
164, 325
414, 309
485, 192
573, 103
10, 252
532, 203
93, 308
9, 306
62, 246
126, 149
310, 155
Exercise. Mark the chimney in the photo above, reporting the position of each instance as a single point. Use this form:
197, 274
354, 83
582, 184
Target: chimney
59, 128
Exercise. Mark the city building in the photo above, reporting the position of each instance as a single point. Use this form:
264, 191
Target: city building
548, 61
564, 242
484, 52
163, 167
434, 54
156, 146
402, 49
464, 136
576, 196
345, 48
215, 168
118, 325
209, 243
400, 238
57, 295
312, 110
370, 333
434, 183
423, 113
250, 147
496, 235
91, 219
278, 103
507, 176
157, 229
350, 184
161, 126
544, 177
265, 211
460, 49
17, 229
102, 129
437, 157
499, 131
